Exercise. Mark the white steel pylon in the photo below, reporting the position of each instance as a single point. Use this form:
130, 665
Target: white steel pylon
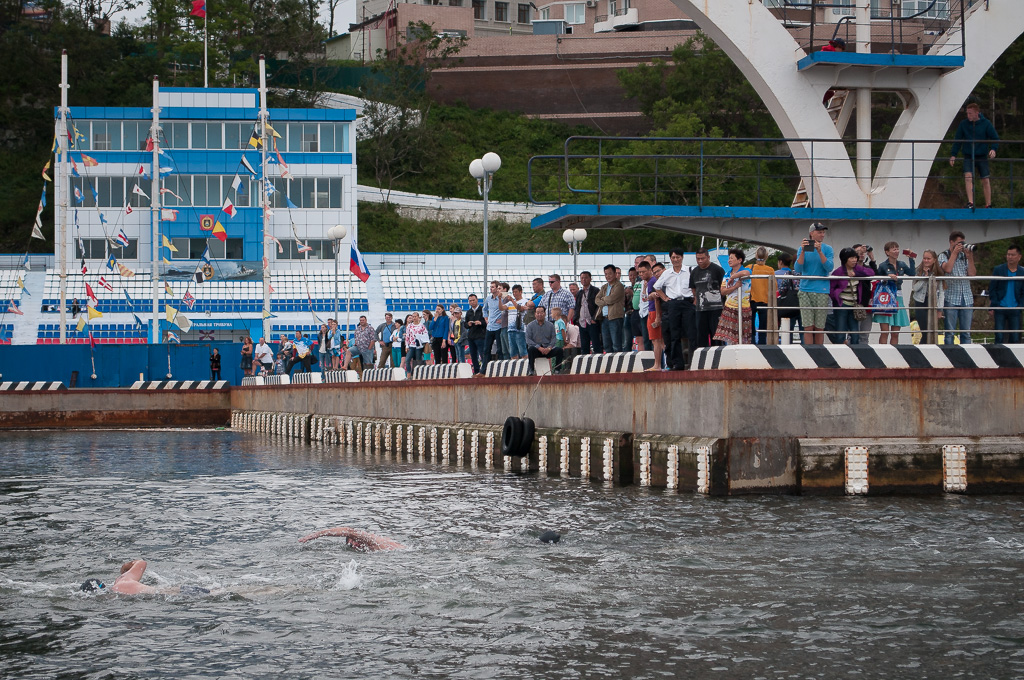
767, 54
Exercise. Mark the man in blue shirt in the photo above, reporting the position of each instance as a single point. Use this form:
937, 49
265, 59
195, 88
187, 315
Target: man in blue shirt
385, 331
1007, 297
814, 258
494, 313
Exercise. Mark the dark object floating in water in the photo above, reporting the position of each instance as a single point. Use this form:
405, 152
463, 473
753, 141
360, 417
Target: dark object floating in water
550, 537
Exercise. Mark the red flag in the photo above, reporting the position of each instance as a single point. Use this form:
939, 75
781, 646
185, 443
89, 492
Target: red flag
89, 161
149, 144
199, 8
92, 295
92, 340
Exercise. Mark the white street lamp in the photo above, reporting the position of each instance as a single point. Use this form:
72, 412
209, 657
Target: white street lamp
336, 234
575, 239
483, 169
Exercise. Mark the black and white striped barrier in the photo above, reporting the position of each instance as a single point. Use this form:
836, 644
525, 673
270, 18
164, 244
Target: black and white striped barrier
277, 380
615, 362
383, 374
443, 371
181, 385
307, 378
340, 376
516, 367
769, 357
32, 387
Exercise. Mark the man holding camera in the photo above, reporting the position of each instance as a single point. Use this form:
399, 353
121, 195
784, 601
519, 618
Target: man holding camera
958, 262
814, 259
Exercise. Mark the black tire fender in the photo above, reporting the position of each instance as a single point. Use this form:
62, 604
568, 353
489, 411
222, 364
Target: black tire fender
526, 442
511, 436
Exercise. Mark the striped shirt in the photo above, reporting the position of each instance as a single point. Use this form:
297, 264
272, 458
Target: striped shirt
958, 291
560, 298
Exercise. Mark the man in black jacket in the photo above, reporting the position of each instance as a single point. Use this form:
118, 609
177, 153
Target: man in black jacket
476, 331
586, 316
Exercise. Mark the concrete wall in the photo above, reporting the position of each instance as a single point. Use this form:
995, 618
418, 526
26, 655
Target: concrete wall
114, 408
722, 404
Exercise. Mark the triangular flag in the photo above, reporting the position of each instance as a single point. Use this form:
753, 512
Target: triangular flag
45, 168
149, 144
168, 191
303, 248
167, 244
173, 337
268, 315
92, 340
285, 172
74, 167
167, 289
138, 190
166, 261
90, 294
89, 161
103, 219
128, 208
229, 207
280, 248
138, 321
13, 309
248, 167
21, 284
93, 312
124, 270
85, 270
171, 312
273, 131
290, 204
131, 303
218, 231
80, 326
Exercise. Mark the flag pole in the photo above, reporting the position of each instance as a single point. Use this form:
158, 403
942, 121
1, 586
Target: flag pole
264, 197
154, 133
206, 62
62, 174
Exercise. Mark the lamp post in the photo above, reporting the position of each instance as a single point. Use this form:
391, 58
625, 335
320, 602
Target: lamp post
575, 239
336, 234
483, 169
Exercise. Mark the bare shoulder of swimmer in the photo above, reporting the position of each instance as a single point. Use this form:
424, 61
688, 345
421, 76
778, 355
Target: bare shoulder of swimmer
129, 580
356, 538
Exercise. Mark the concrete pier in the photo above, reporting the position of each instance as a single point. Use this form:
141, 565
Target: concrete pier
721, 432
114, 408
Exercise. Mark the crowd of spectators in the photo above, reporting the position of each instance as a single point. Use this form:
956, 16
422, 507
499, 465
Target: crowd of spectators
673, 309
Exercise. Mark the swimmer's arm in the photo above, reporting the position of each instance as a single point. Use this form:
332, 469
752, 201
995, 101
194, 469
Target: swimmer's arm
343, 532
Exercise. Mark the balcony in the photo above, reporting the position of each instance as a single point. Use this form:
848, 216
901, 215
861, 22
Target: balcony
625, 19
603, 24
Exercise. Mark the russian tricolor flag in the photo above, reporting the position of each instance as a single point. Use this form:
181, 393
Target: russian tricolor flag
358, 265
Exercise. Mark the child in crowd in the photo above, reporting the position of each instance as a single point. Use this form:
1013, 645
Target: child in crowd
556, 318
279, 364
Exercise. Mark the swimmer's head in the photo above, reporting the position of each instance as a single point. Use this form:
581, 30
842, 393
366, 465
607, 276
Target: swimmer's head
92, 585
550, 537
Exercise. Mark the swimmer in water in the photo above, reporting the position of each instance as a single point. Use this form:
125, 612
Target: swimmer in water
357, 539
129, 582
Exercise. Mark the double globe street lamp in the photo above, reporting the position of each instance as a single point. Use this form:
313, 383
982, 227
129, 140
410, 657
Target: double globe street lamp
575, 239
483, 169
336, 234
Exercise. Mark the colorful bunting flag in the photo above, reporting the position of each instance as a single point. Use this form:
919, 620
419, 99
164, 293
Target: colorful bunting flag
103, 282
168, 244
93, 312
273, 131
236, 184
218, 231
124, 270
21, 284
188, 299
173, 337
168, 191
268, 315
182, 322
138, 321
168, 215
285, 172
45, 168
291, 205
168, 290
303, 248
78, 195
91, 294
138, 190
13, 309
85, 270
248, 167
149, 144
127, 208
229, 207
89, 161
131, 303
111, 262
80, 326
103, 219
255, 142
122, 238
170, 312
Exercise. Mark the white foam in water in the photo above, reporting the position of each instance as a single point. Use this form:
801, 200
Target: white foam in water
349, 578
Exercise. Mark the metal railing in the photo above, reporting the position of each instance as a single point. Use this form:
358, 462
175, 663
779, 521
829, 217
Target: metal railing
913, 25
933, 310
750, 172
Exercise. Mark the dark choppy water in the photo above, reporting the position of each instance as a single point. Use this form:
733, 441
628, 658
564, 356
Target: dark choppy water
644, 585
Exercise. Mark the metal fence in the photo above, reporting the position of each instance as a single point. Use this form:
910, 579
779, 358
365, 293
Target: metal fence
932, 308
750, 172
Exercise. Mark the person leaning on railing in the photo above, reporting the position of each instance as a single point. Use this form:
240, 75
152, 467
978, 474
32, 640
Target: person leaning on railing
892, 267
850, 291
958, 262
919, 302
1007, 296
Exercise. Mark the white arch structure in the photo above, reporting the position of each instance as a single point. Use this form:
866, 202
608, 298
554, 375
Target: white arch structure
767, 54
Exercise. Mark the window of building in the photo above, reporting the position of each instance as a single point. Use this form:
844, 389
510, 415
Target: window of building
575, 13
523, 14
101, 249
334, 192
479, 10
501, 11
455, 3
106, 135
207, 136
323, 249
310, 143
612, 7
135, 135
236, 135
181, 185
241, 197
110, 190
176, 135
84, 130
193, 249
137, 200
545, 14
206, 191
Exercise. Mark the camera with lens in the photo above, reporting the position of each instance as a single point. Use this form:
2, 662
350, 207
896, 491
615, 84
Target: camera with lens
970, 247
